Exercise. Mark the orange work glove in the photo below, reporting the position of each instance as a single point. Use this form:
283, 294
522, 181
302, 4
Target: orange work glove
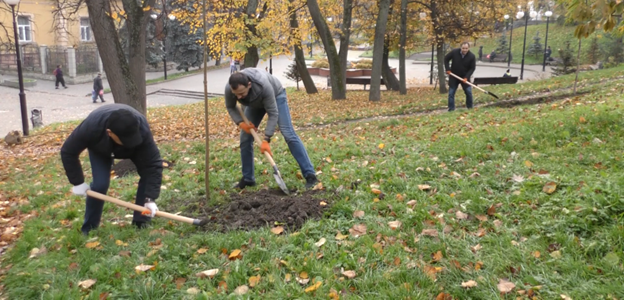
246, 127
465, 80
448, 72
265, 147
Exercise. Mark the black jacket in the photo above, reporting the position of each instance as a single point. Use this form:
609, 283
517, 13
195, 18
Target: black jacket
462, 67
97, 84
91, 134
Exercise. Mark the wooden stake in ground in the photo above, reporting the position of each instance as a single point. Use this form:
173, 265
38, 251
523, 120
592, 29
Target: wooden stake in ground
207, 158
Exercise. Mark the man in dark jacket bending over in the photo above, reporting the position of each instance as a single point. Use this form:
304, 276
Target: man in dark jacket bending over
113, 131
464, 64
262, 93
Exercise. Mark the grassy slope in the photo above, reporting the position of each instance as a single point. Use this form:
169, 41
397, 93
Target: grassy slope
578, 230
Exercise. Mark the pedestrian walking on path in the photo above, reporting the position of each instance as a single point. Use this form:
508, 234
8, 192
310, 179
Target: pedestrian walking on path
262, 93
464, 64
98, 89
58, 72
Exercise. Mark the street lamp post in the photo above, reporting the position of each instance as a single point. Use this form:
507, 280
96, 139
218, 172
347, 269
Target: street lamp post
164, 40
510, 40
548, 14
521, 15
22, 96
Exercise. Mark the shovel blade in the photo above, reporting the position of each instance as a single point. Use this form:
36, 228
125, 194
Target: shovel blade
280, 181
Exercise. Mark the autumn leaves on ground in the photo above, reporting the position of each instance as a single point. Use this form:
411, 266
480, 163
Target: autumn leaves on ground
515, 202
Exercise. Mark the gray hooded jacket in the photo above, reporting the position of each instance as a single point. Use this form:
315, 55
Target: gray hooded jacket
264, 88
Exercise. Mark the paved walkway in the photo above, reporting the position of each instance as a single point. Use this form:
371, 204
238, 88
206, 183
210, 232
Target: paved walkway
75, 102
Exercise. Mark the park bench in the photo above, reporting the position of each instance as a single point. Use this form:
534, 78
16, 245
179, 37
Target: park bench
499, 58
357, 80
495, 80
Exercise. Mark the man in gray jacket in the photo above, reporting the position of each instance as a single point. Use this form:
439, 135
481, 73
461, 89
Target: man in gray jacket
261, 93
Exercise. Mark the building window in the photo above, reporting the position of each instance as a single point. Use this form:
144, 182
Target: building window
23, 28
85, 30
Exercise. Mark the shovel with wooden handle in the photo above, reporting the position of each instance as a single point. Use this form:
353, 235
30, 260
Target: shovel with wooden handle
468, 82
196, 222
276, 173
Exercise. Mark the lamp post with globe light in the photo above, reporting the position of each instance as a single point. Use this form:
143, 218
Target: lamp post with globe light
164, 39
548, 14
22, 96
521, 15
510, 40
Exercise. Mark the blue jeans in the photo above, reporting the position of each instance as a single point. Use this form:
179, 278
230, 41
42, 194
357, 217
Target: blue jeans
298, 151
101, 168
453, 85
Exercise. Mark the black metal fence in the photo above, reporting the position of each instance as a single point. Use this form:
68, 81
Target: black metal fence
56, 55
31, 60
87, 59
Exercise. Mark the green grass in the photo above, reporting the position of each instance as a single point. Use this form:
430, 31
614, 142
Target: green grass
473, 160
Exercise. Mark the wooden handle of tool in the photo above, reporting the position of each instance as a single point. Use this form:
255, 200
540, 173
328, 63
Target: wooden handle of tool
468, 82
256, 136
140, 208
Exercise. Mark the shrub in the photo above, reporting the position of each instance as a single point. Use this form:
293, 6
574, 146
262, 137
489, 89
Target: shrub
321, 63
364, 64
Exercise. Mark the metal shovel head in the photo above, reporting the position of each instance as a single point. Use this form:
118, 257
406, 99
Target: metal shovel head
280, 181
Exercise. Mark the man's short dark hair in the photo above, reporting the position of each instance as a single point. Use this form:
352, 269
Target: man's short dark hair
237, 79
464, 43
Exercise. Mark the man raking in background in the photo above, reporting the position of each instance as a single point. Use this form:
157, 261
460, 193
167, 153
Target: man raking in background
464, 64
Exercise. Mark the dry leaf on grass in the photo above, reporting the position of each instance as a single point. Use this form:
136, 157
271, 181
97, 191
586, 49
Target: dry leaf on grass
241, 290
340, 236
349, 274
193, 291
394, 224
505, 286
86, 284
314, 287
202, 250
424, 187
143, 268
357, 230
254, 280
236, 254
469, 284
277, 230
430, 232
437, 256
549, 188
208, 273
92, 245
461, 216
321, 242
358, 214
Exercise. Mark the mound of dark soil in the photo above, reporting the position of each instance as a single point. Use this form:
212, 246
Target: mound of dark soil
266, 207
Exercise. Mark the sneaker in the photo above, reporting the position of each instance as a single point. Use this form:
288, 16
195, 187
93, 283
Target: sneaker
244, 183
311, 181
103, 101
65, 87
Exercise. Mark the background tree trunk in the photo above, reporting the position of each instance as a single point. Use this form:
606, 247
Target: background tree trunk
252, 57
441, 73
378, 48
137, 22
308, 83
122, 83
403, 40
344, 39
339, 90
392, 83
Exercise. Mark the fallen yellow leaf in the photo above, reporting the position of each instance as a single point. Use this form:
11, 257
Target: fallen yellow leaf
208, 273
340, 236
254, 280
236, 254
505, 286
143, 268
277, 230
201, 250
549, 188
92, 244
469, 284
314, 287
424, 187
86, 284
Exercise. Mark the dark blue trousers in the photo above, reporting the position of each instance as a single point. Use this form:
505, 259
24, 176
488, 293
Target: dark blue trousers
101, 168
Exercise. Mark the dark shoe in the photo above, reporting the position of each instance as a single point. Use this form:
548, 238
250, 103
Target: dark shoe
244, 183
311, 181
141, 225
65, 87
103, 101
94, 101
57, 87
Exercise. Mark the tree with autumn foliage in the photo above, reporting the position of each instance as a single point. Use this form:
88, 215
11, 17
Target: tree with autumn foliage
126, 76
452, 21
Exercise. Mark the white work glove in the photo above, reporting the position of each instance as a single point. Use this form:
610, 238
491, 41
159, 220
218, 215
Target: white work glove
81, 189
152, 207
